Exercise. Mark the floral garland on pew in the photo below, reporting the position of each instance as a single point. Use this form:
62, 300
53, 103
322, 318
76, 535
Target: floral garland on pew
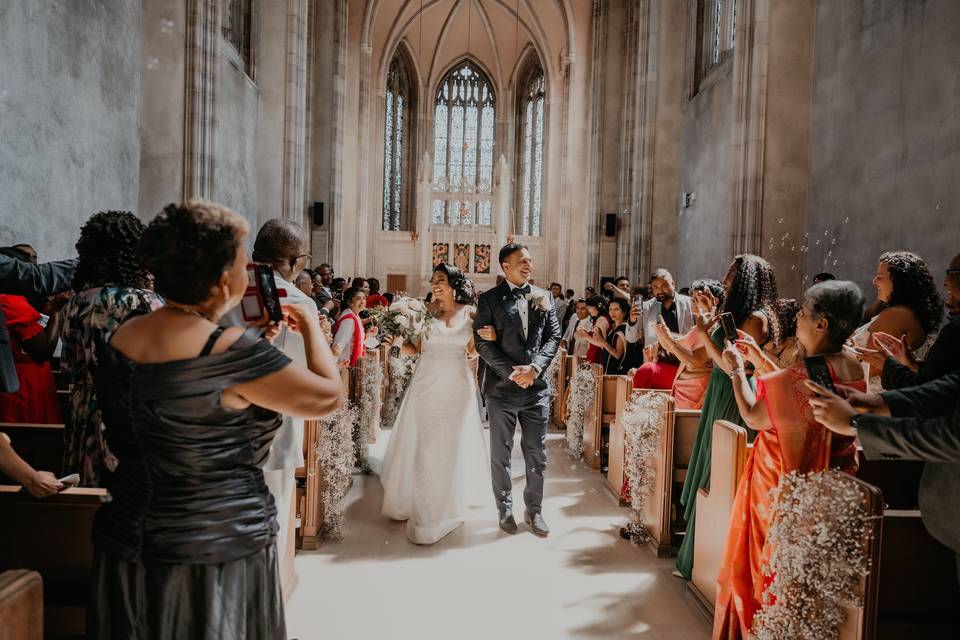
335, 456
370, 405
642, 419
583, 389
551, 375
819, 540
400, 372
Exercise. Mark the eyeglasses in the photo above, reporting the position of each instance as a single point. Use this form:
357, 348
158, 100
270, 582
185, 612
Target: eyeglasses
953, 272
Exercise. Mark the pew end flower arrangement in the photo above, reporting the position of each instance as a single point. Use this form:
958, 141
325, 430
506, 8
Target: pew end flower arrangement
335, 455
583, 389
642, 419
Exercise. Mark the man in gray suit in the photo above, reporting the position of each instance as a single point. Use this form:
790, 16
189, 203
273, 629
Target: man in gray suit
24, 278
914, 423
660, 367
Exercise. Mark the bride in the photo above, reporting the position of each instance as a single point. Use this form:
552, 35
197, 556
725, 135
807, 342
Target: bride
436, 461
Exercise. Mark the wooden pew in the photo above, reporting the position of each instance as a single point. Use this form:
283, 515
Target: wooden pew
41, 445
21, 605
610, 393
53, 537
728, 456
63, 399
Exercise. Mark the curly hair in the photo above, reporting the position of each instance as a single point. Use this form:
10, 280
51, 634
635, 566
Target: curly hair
188, 246
463, 290
754, 288
914, 288
109, 251
786, 310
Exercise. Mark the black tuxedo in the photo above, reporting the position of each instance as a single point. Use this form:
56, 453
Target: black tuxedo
26, 279
508, 403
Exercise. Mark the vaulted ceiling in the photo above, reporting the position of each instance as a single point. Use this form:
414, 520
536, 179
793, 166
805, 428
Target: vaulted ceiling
495, 33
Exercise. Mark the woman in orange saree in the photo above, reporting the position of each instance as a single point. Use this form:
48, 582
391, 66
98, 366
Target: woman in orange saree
788, 439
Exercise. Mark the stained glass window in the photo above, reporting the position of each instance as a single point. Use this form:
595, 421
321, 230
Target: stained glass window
530, 164
396, 154
237, 29
463, 140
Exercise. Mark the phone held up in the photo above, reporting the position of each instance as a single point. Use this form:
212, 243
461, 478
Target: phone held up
819, 372
729, 327
262, 298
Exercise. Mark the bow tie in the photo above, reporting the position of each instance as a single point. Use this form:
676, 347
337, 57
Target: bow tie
520, 292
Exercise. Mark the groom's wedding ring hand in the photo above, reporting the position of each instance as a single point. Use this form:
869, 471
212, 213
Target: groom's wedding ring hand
524, 375
488, 333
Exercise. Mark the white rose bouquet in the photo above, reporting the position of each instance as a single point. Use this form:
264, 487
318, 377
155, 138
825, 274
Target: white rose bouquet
406, 317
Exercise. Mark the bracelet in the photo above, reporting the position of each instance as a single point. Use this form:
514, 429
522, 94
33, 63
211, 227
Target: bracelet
736, 372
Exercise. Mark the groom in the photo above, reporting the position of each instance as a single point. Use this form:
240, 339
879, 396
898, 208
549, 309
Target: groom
511, 378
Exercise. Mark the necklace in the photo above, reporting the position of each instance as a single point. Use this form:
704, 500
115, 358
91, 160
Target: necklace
191, 312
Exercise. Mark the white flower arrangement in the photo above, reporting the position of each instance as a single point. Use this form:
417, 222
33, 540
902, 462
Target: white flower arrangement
819, 539
552, 376
539, 300
335, 457
371, 405
406, 317
641, 429
400, 372
583, 389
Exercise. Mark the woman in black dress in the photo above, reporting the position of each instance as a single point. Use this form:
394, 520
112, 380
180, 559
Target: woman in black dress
186, 546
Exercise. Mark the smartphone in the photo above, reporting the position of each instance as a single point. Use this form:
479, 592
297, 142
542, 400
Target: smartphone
71, 480
819, 372
261, 298
729, 327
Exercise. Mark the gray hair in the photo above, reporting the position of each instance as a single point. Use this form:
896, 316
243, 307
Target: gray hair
279, 240
841, 303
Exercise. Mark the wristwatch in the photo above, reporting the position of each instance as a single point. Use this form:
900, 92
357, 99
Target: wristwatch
855, 422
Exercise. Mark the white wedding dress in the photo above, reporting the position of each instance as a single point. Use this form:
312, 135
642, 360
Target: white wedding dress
436, 463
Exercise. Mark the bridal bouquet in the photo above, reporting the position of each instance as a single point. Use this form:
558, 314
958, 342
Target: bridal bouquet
406, 317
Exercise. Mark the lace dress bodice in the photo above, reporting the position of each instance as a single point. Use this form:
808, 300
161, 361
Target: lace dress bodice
444, 342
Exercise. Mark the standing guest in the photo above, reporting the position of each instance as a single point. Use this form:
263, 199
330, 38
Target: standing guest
559, 304
599, 326
749, 295
322, 279
348, 333
110, 284
186, 547
32, 345
910, 306
362, 284
304, 283
788, 440
675, 311
900, 368
21, 277
589, 292
582, 321
823, 277
375, 298
619, 288
612, 344
570, 294
337, 287
693, 376
39, 484
282, 244
389, 298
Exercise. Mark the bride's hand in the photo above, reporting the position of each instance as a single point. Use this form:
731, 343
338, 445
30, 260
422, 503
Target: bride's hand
488, 333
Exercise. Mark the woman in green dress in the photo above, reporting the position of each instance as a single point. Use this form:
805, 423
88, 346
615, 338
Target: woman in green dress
750, 294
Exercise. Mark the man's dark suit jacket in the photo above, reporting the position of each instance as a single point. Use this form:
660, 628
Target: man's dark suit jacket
498, 307
925, 426
944, 358
26, 279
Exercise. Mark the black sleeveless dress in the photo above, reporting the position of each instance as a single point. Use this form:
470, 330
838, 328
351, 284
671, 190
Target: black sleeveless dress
185, 547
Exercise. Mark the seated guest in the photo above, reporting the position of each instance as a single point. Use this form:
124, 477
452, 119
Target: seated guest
111, 284
788, 440
375, 298
348, 333
582, 321
693, 375
186, 547
613, 343
32, 345
39, 484
899, 367
23, 278
674, 310
910, 306
924, 424
599, 326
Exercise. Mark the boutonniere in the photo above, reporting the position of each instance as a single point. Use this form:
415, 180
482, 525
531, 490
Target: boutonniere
538, 300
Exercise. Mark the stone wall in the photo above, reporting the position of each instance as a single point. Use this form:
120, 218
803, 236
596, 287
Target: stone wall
235, 177
885, 135
69, 112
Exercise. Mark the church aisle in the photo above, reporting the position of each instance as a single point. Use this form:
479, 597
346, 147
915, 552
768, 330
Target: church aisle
581, 582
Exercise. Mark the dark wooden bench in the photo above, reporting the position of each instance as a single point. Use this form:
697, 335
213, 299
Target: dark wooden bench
21, 605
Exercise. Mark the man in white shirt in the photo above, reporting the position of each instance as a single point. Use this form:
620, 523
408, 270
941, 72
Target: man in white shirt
583, 321
282, 244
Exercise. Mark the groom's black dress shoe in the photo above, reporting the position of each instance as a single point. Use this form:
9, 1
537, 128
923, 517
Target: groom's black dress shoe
537, 524
507, 523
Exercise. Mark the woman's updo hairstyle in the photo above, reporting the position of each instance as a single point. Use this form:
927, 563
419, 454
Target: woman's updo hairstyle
597, 302
463, 290
841, 303
188, 246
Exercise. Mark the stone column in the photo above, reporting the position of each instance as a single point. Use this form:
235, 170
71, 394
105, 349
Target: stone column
201, 78
295, 99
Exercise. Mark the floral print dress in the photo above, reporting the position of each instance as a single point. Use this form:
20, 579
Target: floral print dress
91, 317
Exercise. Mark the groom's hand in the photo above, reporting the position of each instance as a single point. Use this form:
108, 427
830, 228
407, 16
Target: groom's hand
524, 375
